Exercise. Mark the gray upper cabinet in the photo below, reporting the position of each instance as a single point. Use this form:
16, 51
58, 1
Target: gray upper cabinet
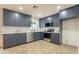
23, 20
50, 19
20, 20
9, 18
28, 21
13, 18
56, 20
42, 22
69, 12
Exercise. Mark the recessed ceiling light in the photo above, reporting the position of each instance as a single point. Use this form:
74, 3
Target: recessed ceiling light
58, 7
21, 8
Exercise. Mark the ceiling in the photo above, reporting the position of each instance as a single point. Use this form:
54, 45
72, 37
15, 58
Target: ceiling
43, 10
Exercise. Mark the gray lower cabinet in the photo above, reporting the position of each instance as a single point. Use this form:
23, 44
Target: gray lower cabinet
9, 40
21, 38
37, 36
41, 35
55, 38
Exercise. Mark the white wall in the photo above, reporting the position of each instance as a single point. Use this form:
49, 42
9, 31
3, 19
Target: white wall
1, 24
36, 21
78, 49
70, 32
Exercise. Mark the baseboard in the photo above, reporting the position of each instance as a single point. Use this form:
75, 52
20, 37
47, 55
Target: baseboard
70, 45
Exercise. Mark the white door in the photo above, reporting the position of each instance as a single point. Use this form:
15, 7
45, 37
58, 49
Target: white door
70, 32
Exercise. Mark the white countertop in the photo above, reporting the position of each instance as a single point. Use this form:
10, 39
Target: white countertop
51, 32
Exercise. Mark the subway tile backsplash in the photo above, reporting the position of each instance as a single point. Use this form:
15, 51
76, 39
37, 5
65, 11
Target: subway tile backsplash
9, 30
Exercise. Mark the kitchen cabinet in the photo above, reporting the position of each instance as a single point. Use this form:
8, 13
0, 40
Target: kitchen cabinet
13, 18
53, 20
42, 22
23, 20
69, 12
55, 38
9, 18
21, 38
20, 20
40, 34
9, 40
37, 36
28, 21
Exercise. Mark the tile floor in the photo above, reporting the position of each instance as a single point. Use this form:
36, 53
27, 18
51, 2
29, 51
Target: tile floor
40, 47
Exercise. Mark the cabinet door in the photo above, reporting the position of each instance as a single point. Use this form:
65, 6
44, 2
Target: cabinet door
55, 38
69, 12
40, 35
9, 18
23, 20
42, 22
9, 40
37, 36
20, 20
13, 39
6, 41
28, 21
22, 38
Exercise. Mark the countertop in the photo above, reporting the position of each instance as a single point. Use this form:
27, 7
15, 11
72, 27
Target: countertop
51, 32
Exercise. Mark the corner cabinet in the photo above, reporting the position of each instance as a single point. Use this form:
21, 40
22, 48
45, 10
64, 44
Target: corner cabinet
37, 36
13, 18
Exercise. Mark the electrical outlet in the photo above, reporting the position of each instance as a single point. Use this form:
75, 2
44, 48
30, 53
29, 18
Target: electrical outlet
66, 41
